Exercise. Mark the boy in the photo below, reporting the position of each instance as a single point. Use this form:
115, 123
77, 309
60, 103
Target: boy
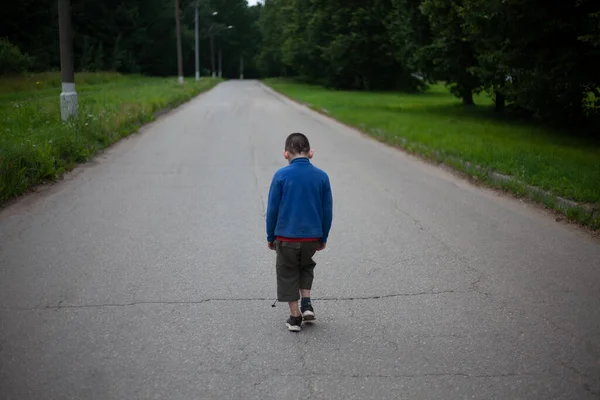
299, 215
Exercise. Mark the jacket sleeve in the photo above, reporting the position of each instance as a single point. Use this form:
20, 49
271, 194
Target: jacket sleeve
273, 207
327, 201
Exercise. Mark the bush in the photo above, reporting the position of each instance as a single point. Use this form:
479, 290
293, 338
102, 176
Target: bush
12, 61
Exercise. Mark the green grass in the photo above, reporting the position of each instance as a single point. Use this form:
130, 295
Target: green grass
436, 125
27, 83
36, 146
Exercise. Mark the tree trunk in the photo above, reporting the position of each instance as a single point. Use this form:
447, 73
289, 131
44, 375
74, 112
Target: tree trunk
500, 102
179, 51
467, 98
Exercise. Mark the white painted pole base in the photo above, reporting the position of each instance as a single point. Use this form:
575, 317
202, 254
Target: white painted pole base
181, 80
197, 75
68, 101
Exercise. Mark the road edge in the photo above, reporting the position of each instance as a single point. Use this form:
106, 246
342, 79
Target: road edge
43, 187
563, 210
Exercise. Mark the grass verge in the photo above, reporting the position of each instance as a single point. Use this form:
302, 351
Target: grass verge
37, 146
559, 170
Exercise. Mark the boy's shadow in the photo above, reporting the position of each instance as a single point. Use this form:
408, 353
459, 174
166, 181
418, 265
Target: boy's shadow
309, 326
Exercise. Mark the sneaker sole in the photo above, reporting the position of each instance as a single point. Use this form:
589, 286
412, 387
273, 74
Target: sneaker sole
308, 316
293, 328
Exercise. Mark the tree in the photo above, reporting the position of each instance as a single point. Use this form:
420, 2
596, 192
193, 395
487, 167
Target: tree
452, 55
410, 32
485, 26
342, 44
269, 60
129, 36
536, 53
12, 61
361, 54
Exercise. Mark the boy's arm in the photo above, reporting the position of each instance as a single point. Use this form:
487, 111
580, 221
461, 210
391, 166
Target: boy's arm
327, 210
273, 208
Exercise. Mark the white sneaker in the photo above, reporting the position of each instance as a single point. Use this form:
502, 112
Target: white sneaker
308, 313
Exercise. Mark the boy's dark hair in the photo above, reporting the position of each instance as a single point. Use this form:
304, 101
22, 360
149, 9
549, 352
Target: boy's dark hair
297, 143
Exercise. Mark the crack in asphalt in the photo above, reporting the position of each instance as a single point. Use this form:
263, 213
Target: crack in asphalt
426, 375
474, 284
387, 296
569, 332
60, 305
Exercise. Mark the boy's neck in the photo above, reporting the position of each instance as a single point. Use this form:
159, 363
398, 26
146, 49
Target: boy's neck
296, 156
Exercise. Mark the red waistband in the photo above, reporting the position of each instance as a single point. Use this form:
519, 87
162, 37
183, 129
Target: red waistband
285, 239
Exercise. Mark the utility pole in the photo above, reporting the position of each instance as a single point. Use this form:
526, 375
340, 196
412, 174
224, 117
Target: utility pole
179, 57
197, 45
242, 66
68, 97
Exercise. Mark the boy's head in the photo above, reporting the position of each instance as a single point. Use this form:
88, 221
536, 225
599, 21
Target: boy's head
297, 145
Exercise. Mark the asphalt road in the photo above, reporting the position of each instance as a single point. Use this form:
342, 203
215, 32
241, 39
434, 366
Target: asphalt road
145, 275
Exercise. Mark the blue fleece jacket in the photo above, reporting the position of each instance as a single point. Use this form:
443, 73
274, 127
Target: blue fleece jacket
300, 202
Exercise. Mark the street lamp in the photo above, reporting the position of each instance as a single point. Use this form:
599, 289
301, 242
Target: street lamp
212, 46
197, 44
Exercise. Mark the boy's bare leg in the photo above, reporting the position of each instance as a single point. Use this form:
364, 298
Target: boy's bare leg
294, 306
294, 309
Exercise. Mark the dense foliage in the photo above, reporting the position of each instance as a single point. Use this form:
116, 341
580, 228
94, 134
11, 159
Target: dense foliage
12, 61
537, 57
134, 36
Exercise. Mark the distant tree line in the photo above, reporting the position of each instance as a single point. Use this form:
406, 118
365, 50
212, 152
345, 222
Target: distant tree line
130, 36
538, 57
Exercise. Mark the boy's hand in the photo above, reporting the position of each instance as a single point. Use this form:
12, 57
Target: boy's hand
271, 245
321, 246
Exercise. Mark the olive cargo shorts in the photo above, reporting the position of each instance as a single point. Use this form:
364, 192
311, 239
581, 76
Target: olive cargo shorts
295, 268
